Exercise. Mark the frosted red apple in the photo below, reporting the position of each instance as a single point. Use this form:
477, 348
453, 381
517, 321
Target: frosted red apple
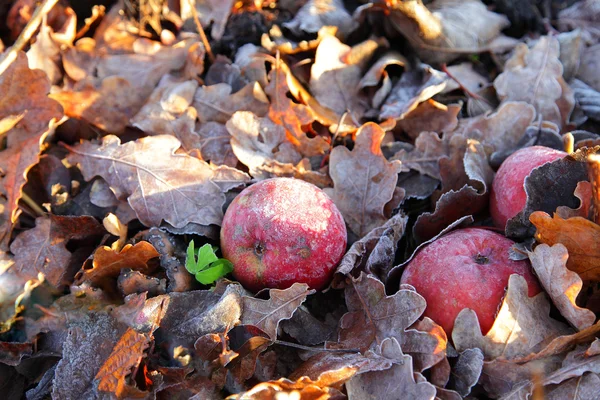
467, 268
508, 196
281, 231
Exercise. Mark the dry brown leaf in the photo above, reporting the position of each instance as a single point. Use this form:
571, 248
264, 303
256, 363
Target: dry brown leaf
414, 87
583, 192
535, 77
302, 170
372, 316
429, 116
425, 155
126, 355
267, 314
292, 116
275, 41
130, 282
214, 142
500, 130
217, 103
215, 11
447, 25
45, 52
586, 386
579, 235
563, 286
584, 14
334, 83
159, 184
467, 370
394, 384
108, 106
255, 141
79, 61
43, 248
316, 14
363, 180
588, 69
108, 263
468, 78
377, 76
374, 253
170, 99
522, 325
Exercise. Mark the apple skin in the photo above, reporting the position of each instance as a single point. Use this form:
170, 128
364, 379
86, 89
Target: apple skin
467, 268
508, 197
280, 231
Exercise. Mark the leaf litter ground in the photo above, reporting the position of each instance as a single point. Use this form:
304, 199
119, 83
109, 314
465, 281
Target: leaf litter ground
128, 127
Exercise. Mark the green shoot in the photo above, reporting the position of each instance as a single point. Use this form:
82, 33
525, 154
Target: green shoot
205, 264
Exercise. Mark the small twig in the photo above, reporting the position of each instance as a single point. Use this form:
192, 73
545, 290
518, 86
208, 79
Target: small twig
307, 348
10, 55
593, 167
34, 206
463, 87
200, 29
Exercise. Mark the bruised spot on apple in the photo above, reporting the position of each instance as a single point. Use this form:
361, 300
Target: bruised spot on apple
508, 197
280, 231
467, 268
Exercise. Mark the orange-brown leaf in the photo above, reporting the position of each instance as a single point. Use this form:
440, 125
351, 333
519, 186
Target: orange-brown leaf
580, 236
126, 355
108, 263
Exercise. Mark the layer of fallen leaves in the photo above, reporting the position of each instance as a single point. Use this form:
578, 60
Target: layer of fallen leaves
125, 136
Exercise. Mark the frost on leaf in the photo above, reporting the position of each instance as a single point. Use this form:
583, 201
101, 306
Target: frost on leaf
158, 183
535, 77
396, 383
363, 180
316, 14
267, 314
522, 326
216, 103
43, 249
562, 285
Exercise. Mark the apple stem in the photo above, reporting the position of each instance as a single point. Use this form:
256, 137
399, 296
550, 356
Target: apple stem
593, 166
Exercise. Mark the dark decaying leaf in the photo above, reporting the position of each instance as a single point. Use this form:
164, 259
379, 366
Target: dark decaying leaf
158, 183
466, 371
43, 249
548, 187
373, 254
13, 353
267, 314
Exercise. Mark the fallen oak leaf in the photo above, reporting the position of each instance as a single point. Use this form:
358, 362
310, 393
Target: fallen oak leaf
395, 383
44, 248
579, 236
158, 183
363, 180
429, 116
292, 116
126, 355
108, 263
562, 285
583, 192
267, 314
466, 371
535, 77
216, 103
522, 325
316, 14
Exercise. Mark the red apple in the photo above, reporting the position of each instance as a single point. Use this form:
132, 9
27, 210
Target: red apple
467, 268
508, 196
281, 231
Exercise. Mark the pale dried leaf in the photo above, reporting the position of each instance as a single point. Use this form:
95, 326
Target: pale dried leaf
563, 286
316, 14
217, 103
586, 386
363, 180
429, 116
267, 314
521, 327
467, 370
215, 11
158, 183
535, 77
468, 78
255, 141
395, 384
583, 14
